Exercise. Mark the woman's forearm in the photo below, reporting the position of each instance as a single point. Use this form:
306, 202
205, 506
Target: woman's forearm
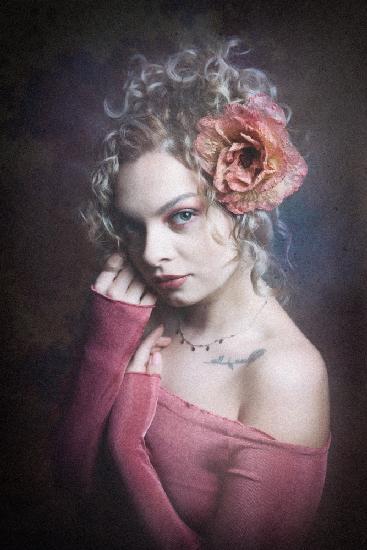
114, 333
132, 414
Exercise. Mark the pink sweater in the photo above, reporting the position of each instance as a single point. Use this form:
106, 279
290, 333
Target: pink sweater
197, 480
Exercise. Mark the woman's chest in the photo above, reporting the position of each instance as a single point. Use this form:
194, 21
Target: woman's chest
213, 380
189, 450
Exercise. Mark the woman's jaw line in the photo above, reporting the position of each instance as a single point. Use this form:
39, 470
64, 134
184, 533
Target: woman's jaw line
235, 298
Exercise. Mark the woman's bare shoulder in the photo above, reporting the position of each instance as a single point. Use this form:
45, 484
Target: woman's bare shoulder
283, 336
286, 389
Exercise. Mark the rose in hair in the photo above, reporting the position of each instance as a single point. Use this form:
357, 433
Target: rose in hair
248, 152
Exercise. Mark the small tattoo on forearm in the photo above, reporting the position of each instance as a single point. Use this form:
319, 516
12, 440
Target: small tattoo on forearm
232, 362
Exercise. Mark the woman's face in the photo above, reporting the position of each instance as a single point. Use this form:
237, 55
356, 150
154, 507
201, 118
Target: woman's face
167, 231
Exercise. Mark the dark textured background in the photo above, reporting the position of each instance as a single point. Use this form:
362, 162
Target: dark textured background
60, 60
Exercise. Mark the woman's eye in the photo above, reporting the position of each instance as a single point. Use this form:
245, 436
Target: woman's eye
182, 217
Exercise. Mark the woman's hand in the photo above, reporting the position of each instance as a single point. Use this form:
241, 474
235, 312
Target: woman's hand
147, 359
120, 282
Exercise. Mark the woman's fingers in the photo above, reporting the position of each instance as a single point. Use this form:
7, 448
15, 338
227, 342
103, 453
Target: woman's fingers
162, 342
134, 291
148, 299
142, 359
155, 363
119, 281
120, 284
110, 270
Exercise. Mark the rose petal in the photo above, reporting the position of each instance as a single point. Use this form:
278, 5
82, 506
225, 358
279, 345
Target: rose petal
240, 178
239, 181
232, 129
237, 146
219, 176
264, 179
247, 138
268, 107
208, 147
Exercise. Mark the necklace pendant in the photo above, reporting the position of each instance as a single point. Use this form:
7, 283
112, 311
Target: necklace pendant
219, 340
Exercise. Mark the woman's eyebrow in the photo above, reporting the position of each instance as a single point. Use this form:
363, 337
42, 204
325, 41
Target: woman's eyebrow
172, 202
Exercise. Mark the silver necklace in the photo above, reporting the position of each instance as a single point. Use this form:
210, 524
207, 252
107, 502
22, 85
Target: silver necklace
217, 340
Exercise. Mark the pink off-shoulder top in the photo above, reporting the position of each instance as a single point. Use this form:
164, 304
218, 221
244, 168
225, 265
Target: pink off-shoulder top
197, 480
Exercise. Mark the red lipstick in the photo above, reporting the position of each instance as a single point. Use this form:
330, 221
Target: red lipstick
170, 281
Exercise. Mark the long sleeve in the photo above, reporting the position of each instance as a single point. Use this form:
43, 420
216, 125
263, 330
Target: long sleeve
130, 419
270, 494
114, 332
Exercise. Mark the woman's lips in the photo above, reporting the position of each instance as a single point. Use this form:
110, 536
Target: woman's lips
171, 283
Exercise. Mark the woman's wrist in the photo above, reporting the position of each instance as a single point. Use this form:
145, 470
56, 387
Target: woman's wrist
116, 325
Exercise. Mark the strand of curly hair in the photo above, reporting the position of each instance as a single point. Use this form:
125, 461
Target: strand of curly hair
161, 104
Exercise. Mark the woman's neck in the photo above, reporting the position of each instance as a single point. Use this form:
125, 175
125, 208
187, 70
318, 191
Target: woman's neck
230, 310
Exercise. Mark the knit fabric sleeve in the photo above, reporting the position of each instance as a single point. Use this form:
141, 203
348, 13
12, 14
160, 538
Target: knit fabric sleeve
115, 329
130, 419
270, 494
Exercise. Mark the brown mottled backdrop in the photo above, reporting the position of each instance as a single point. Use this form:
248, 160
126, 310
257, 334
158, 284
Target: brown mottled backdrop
60, 60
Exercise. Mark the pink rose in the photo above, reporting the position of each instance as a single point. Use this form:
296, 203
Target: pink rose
248, 152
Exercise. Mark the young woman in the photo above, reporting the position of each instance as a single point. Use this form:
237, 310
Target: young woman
214, 403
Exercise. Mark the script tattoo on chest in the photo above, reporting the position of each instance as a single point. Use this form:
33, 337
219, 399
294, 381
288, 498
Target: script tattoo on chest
232, 362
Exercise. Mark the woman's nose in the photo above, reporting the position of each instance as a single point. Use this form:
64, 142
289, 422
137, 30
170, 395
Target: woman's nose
158, 246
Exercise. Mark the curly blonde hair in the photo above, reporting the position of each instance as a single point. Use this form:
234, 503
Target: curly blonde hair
161, 105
